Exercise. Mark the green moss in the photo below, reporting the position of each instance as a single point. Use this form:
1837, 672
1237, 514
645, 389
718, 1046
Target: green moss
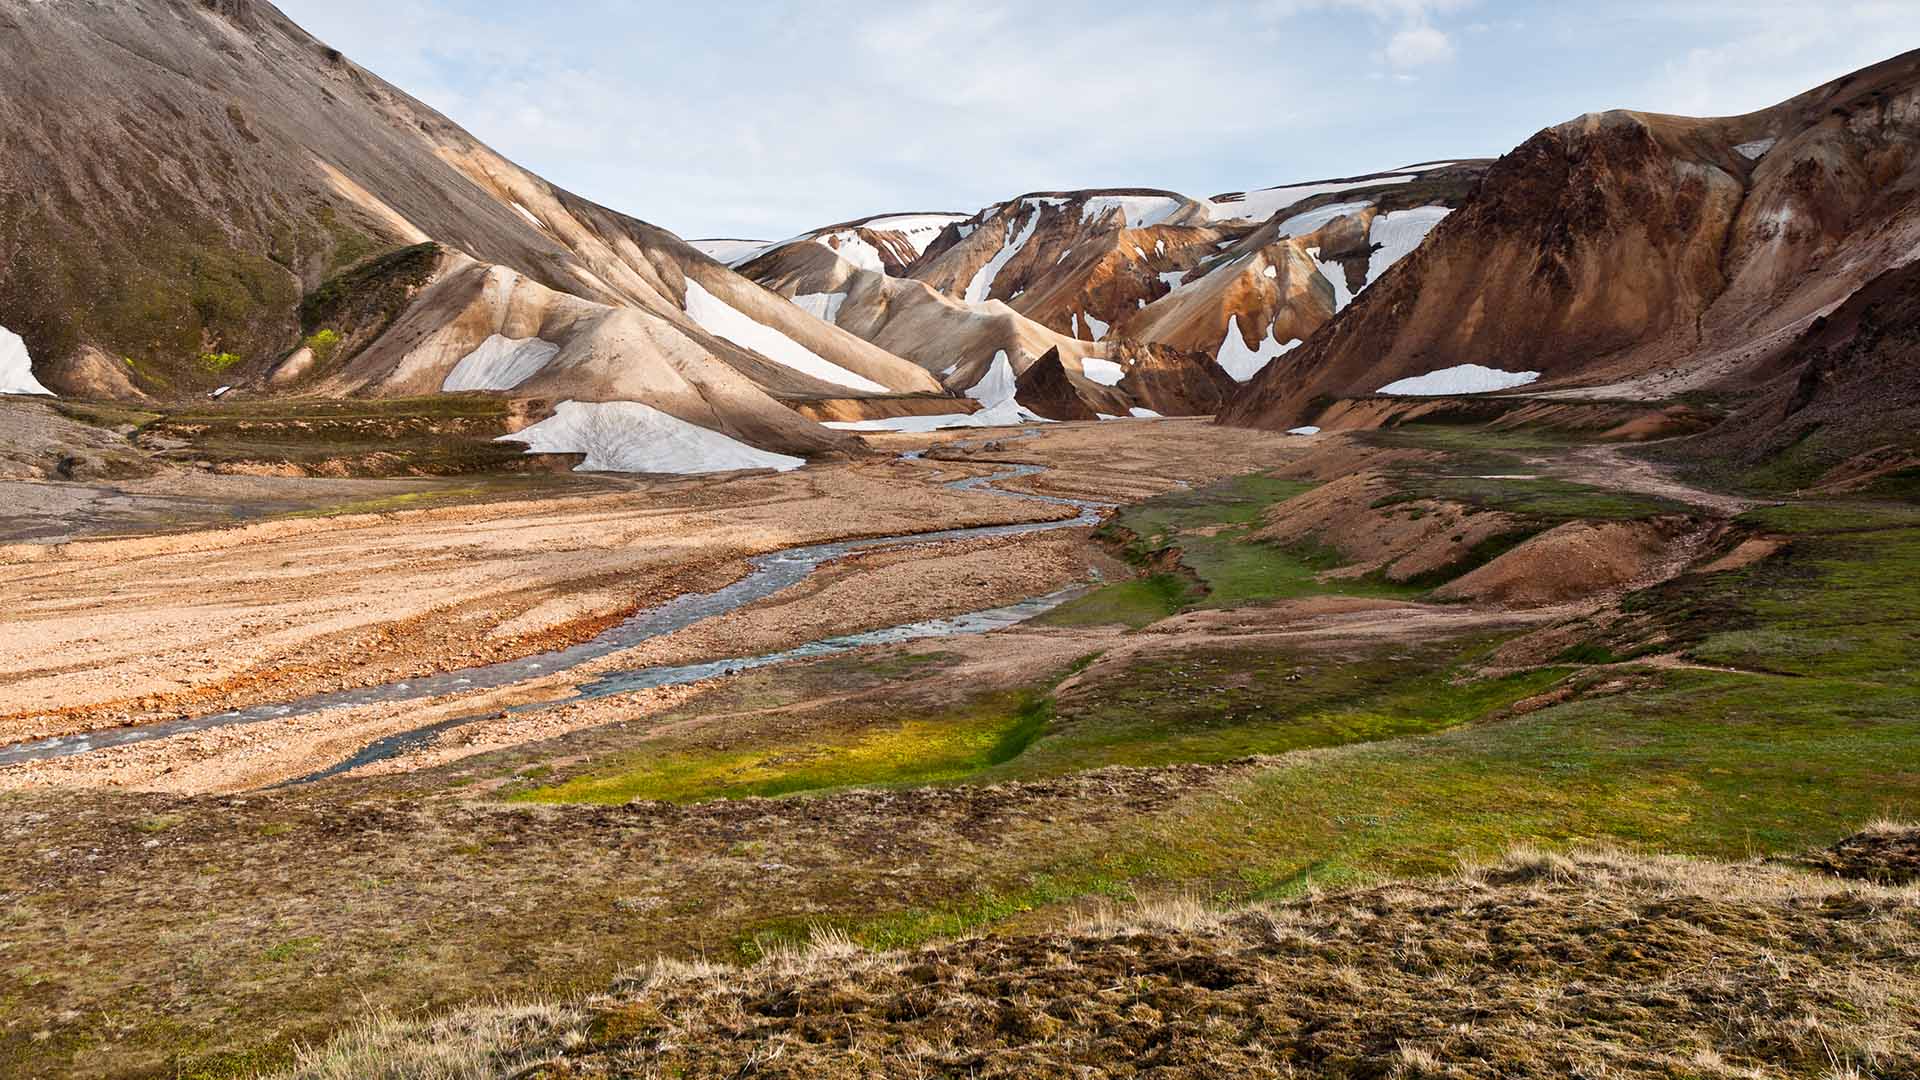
324, 343
362, 302
215, 363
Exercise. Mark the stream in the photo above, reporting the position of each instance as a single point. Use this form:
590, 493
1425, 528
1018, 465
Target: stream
770, 574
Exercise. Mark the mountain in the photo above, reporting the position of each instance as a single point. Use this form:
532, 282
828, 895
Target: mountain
1188, 295
1635, 255
200, 195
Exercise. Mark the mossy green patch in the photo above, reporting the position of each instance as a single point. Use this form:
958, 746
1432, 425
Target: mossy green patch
985, 733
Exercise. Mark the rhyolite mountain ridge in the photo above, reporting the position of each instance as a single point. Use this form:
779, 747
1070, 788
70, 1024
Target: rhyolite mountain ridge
1765, 259
200, 198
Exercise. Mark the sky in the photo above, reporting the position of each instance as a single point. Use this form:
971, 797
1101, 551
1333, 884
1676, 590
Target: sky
761, 119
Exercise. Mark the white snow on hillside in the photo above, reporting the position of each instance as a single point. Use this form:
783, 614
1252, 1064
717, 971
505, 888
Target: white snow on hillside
731, 252
1302, 224
16, 367
722, 320
998, 384
822, 305
1139, 211
531, 217
1336, 275
1464, 379
627, 436
1104, 372
1171, 279
995, 390
1754, 151
1243, 363
1396, 234
1261, 205
1309, 430
1139, 413
1094, 326
982, 284
500, 363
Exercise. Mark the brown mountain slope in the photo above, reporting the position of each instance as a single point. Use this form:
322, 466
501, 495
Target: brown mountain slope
1843, 403
188, 191
1642, 253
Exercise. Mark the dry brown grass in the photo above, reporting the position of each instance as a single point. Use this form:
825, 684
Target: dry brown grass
1599, 963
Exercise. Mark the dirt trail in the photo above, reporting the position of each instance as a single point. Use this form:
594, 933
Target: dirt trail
1609, 467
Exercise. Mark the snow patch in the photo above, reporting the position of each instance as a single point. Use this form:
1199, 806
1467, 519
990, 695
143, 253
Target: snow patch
627, 436
731, 252
500, 363
1139, 413
532, 218
1171, 279
1094, 326
1309, 430
1261, 205
994, 390
1336, 275
1394, 236
1140, 211
982, 283
1243, 363
1104, 372
1463, 379
1302, 224
722, 320
824, 306
1757, 149
16, 367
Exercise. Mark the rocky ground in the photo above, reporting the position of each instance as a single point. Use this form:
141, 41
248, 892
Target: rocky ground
1540, 965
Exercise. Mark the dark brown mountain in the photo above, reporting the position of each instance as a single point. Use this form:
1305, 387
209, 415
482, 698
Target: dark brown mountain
1635, 255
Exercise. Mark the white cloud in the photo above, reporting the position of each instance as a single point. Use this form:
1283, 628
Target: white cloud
1419, 46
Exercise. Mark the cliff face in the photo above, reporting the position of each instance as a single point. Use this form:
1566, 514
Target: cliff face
1643, 253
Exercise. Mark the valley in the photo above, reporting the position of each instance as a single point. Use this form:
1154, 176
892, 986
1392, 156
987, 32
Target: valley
1224, 705
1444, 621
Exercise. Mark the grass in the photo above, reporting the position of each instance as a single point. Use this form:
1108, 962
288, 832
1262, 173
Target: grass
1205, 531
1218, 704
988, 732
1724, 764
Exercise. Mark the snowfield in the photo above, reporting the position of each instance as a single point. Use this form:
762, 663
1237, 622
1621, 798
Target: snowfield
627, 436
1464, 379
16, 367
1243, 363
1094, 326
500, 363
722, 320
